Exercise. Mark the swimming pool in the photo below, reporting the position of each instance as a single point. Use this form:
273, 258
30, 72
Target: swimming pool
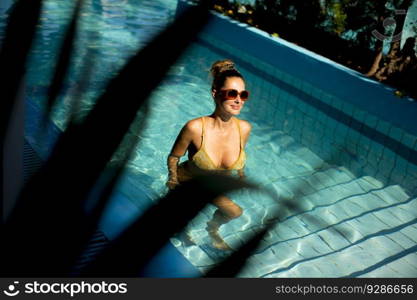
353, 173
287, 153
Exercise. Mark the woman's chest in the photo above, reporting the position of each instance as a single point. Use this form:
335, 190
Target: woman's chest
221, 150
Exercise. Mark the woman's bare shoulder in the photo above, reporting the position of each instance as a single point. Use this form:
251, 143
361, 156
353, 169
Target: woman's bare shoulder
245, 126
193, 126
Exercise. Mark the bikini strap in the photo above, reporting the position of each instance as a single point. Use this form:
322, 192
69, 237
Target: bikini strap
240, 133
202, 133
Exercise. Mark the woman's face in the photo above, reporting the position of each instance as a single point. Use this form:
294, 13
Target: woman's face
231, 106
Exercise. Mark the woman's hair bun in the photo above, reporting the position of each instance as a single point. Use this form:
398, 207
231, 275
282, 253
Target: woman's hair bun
221, 66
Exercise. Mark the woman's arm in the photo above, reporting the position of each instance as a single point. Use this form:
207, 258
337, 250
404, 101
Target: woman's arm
246, 129
172, 171
179, 148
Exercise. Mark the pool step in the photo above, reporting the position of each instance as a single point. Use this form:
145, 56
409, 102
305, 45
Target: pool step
318, 243
352, 259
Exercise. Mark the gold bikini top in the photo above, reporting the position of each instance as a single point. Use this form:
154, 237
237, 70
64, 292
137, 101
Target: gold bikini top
203, 161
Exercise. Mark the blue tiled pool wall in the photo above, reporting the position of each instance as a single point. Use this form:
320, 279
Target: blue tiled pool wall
331, 126
334, 129
328, 75
335, 111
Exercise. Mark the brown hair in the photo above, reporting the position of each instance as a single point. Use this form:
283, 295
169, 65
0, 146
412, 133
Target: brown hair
221, 70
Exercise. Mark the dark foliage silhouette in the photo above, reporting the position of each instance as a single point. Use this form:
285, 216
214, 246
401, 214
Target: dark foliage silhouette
14, 52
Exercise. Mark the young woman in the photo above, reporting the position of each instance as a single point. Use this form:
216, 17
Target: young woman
215, 143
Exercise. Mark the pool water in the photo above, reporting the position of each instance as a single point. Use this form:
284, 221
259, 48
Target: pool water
347, 223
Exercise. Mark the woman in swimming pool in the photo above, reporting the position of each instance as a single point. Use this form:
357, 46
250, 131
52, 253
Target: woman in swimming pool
215, 143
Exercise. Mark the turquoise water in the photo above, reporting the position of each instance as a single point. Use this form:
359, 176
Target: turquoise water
110, 31
349, 223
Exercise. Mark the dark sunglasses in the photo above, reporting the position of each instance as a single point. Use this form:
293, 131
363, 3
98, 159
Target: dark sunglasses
232, 94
